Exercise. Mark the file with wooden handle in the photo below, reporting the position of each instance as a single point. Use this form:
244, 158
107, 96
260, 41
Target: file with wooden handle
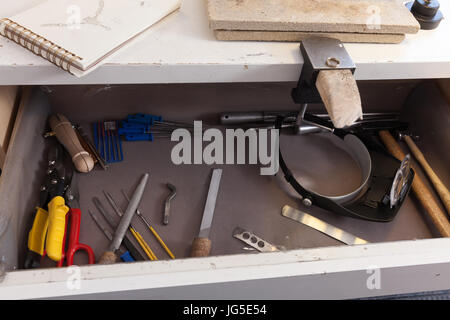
201, 246
110, 256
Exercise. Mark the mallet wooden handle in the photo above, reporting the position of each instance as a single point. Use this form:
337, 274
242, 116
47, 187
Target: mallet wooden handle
419, 188
441, 189
67, 136
201, 247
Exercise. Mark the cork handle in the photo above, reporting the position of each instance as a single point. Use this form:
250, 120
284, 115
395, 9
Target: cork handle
201, 247
419, 188
441, 189
62, 127
108, 257
340, 94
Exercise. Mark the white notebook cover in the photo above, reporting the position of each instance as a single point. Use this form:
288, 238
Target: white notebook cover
93, 29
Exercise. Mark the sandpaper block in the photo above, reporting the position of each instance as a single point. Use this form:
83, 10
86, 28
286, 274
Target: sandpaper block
341, 97
296, 36
355, 16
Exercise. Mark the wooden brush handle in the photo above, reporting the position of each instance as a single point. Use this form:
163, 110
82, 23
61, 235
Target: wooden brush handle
108, 257
441, 189
420, 190
201, 247
63, 130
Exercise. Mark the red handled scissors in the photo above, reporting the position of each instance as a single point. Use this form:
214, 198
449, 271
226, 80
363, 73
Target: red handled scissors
73, 218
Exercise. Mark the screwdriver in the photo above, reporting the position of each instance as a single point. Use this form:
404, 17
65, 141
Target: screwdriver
161, 242
110, 256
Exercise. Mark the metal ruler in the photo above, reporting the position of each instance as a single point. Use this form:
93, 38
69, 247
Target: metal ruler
321, 226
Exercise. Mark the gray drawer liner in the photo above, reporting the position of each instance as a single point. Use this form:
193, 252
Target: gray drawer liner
246, 199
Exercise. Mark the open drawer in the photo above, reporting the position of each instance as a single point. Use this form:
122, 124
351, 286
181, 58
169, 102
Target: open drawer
405, 255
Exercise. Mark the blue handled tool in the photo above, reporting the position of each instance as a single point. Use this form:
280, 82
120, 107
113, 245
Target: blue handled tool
138, 137
146, 127
144, 118
133, 127
107, 141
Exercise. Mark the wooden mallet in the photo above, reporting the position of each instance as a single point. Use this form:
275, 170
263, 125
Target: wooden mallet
440, 188
419, 188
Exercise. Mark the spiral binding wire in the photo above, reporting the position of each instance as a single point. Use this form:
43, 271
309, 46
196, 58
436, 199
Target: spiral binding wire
45, 48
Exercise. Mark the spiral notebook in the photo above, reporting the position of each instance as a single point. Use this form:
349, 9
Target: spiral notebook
79, 35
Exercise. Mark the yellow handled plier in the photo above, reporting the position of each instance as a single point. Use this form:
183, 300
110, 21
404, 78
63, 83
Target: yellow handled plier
46, 236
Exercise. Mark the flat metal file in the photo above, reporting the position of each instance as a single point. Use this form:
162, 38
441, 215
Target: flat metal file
110, 256
321, 226
144, 245
127, 241
201, 246
124, 255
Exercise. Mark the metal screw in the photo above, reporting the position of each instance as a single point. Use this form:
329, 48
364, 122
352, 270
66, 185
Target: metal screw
307, 202
43, 188
54, 181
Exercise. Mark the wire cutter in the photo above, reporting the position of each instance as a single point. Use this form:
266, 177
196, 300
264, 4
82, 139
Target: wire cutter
47, 235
